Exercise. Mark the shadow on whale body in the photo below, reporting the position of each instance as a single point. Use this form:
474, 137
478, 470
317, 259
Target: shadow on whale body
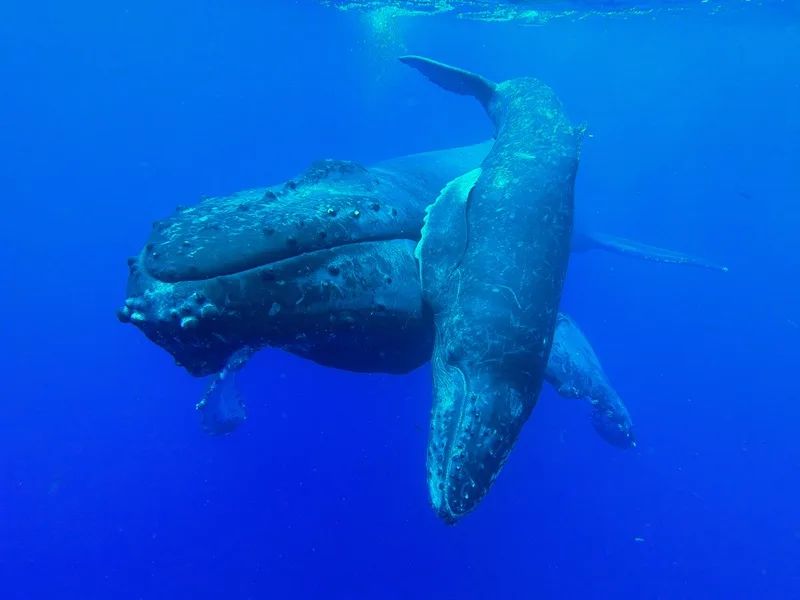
493, 258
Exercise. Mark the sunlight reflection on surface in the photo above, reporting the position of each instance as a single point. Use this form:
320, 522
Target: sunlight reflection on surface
536, 12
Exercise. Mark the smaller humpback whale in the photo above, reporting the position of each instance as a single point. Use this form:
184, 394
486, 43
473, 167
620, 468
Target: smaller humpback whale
493, 259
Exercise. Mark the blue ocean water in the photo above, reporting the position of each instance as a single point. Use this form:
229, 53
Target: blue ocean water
113, 113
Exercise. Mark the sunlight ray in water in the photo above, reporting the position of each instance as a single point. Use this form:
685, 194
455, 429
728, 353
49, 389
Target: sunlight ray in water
386, 31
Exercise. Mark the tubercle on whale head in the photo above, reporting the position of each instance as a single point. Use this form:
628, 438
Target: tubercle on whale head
181, 318
332, 203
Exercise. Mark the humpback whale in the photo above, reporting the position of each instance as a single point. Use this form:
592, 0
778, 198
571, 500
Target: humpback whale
493, 260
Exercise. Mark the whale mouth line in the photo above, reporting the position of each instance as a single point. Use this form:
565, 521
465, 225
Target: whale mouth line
278, 263
448, 507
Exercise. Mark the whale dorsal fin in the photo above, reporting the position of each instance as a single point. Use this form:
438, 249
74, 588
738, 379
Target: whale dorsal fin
453, 79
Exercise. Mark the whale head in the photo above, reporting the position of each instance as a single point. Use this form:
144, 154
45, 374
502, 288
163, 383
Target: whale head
310, 266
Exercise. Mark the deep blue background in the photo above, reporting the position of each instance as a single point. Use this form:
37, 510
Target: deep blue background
112, 113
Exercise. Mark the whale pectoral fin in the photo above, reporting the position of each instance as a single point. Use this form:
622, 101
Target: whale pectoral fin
575, 372
443, 240
221, 407
453, 79
618, 245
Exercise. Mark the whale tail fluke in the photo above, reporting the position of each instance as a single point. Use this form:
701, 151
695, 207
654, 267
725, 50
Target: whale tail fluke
453, 79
